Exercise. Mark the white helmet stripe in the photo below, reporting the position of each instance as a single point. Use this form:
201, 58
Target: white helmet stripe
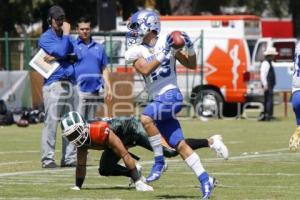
74, 128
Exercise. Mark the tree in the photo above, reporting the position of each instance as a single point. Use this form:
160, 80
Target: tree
29, 11
13, 12
26, 12
294, 9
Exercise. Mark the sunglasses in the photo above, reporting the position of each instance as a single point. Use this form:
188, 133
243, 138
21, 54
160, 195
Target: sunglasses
61, 18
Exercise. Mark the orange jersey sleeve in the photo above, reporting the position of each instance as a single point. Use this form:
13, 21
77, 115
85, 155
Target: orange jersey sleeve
99, 132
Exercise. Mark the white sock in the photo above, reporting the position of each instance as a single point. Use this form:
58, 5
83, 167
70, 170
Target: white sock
193, 161
155, 142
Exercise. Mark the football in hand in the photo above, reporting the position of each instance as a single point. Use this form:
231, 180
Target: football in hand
178, 40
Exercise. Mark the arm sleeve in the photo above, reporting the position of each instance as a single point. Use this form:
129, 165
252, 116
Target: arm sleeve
264, 69
56, 48
132, 54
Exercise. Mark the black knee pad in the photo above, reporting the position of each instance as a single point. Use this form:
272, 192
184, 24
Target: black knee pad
104, 172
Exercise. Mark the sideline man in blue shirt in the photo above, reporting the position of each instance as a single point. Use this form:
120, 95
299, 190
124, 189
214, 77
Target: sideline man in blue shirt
58, 89
90, 70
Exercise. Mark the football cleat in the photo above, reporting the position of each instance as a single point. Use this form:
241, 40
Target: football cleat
207, 185
142, 187
132, 184
295, 140
75, 188
206, 190
219, 147
139, 169
213, 182
156, 172
50, 165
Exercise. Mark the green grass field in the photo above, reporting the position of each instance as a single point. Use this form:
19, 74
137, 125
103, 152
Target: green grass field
260, 166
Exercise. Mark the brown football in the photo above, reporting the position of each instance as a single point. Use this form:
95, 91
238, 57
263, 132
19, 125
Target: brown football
178, 40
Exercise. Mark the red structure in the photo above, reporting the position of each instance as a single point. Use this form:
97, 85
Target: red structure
277, 28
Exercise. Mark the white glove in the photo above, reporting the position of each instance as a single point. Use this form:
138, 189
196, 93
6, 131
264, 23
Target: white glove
75, 188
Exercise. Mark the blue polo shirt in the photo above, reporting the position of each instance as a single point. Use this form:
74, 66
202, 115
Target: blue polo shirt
59, 47
91, 62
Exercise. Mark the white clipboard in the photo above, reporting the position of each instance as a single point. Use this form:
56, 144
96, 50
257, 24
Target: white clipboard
44, 68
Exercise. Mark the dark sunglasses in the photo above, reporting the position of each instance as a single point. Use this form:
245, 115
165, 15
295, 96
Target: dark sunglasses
61, 18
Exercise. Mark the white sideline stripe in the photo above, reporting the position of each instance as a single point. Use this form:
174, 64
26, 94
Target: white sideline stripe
34, 151
21, 152
236, 186
254, 174
38, 198
254, 156
150, 162
36, 172
276, 150
103, 186
13, 163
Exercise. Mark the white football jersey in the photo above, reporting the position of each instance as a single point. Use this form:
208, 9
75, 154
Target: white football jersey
296, 74
164, 77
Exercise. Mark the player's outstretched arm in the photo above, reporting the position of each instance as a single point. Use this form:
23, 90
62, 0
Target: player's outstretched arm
80, 168
144, 67
117, 146
186, 60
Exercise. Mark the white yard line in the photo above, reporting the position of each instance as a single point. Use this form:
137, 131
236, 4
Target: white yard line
36, 172
57, 151
245, 174
258, 155
38, 198
255, 174
22, 152
13, 163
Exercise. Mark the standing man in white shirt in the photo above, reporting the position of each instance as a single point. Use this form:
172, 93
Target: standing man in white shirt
268, 79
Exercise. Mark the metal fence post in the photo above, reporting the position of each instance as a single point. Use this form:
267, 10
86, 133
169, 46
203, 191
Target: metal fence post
126, 48
6, 51
111, 52
201, 55
26, 52
201, 69
188, 112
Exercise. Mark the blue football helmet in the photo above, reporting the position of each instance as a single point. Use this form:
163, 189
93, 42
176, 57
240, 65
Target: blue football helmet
141, 23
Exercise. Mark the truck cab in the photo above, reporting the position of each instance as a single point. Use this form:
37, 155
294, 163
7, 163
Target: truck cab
283, 63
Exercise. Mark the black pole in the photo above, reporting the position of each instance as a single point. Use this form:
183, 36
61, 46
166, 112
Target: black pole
106, 14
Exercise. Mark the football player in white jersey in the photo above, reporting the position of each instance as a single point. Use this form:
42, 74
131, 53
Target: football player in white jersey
154, 58
295, 138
